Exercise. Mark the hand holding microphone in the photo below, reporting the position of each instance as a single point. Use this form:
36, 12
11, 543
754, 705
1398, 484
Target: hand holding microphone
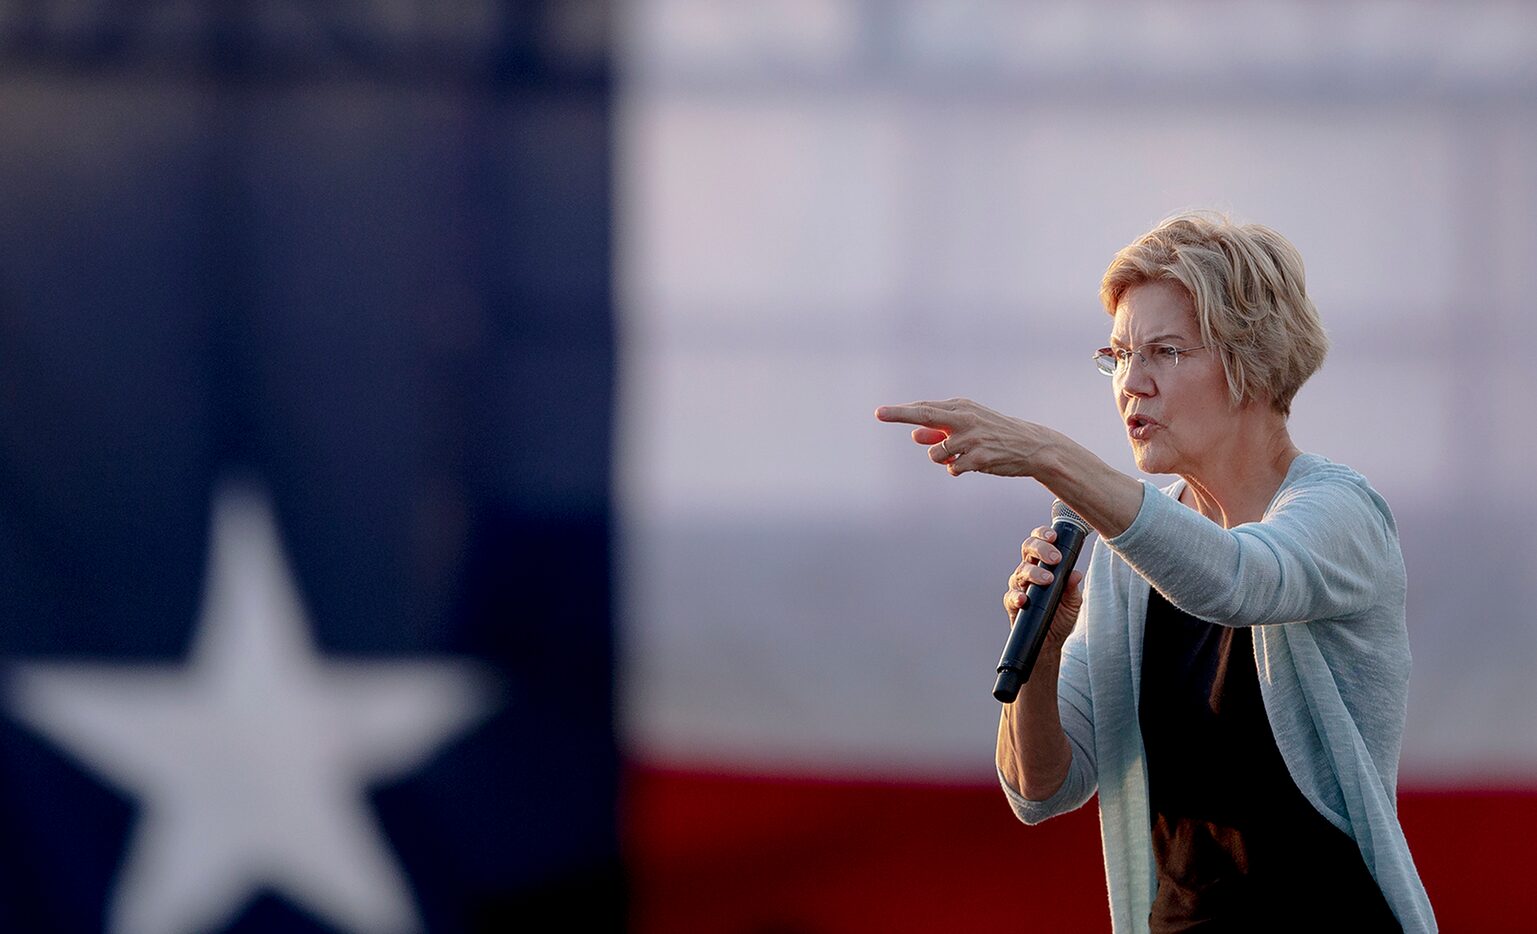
1040, 601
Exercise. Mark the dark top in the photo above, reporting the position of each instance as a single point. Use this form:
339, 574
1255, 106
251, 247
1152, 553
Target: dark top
1238, 847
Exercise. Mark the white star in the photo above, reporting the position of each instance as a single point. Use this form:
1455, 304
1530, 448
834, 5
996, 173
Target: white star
251, 762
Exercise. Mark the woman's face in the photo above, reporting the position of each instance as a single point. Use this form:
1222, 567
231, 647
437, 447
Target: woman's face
1179, 419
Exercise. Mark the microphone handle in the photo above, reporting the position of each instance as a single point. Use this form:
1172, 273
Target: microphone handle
1033, 622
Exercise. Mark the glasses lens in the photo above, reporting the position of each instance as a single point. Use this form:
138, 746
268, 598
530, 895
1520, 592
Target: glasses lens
1105, 360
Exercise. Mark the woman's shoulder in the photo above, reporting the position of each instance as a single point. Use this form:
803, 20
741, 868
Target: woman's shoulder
1315, 467
1327, 485
1317, 470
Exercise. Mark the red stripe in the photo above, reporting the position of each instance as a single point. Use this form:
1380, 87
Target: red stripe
724, 854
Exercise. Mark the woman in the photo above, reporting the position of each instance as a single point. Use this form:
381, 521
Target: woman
1232, 676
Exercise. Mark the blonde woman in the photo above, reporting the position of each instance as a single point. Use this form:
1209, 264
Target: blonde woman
1231, 675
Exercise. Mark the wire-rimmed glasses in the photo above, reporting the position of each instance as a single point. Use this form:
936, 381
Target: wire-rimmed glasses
1113, 360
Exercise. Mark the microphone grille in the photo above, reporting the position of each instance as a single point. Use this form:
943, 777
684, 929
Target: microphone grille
1062, 512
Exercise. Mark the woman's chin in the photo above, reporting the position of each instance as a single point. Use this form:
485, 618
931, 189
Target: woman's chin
1149, 461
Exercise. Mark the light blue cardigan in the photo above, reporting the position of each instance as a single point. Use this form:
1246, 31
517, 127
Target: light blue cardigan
1321, 579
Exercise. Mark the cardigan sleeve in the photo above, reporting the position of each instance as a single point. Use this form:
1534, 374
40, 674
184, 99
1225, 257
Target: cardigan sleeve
1325, 549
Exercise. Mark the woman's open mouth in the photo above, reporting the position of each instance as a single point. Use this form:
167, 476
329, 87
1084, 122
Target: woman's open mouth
1140, 426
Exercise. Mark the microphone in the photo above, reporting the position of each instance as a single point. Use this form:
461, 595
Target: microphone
1033, 622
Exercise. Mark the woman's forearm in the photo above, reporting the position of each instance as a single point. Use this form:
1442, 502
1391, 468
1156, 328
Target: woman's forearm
1033, 751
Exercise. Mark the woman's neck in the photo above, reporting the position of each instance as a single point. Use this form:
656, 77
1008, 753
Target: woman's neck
1238, 489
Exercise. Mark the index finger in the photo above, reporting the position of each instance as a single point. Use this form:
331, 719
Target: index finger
914, 413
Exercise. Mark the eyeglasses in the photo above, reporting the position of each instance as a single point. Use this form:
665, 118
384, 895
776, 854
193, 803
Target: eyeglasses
1113, 360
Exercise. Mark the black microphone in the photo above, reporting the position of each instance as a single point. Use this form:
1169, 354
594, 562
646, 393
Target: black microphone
1033, 622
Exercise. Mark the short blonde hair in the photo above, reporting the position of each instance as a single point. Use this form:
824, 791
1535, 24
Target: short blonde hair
1246, 282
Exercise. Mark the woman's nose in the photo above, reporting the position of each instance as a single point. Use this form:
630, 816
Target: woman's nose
1135, 378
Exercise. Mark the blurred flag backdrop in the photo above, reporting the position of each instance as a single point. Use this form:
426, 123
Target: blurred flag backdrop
311, 335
